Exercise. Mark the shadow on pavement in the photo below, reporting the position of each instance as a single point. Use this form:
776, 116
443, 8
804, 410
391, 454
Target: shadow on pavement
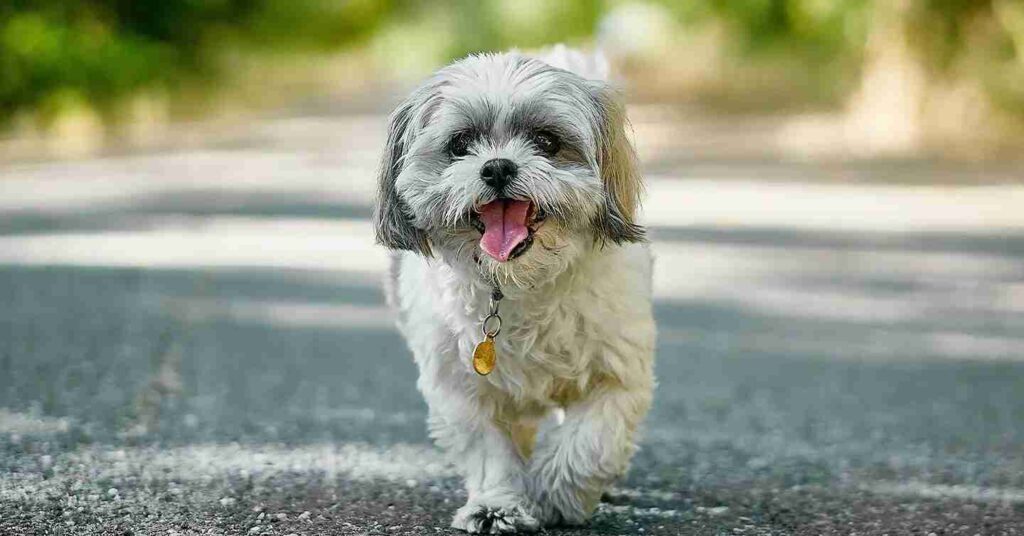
143, 212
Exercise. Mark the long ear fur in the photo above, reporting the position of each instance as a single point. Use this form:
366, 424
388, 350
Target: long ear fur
620, 171
394, 228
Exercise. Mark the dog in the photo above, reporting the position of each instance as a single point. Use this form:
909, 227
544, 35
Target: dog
509, 192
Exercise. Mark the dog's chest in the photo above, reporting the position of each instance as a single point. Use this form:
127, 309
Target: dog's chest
586, 328
552, 350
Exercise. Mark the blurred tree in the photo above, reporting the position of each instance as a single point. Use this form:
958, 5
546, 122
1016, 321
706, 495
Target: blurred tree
60, 53
910, 72
500, 25
57, 51
938, 71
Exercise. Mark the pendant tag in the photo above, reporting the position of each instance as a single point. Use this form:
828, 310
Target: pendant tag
484, 357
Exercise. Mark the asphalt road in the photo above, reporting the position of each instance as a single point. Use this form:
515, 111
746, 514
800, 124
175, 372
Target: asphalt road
194, 342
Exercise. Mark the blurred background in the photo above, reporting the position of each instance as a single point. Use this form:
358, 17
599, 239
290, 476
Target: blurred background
193, 338
935, 77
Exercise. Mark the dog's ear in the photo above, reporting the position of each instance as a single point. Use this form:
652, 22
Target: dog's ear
393, 224
620, 170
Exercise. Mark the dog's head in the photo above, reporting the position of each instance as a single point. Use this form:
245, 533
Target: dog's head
503, 161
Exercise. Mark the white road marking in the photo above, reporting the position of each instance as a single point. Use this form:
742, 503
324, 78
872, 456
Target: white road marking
280, 313
18, 423
317, 244
943, 491
205, 463
842, 207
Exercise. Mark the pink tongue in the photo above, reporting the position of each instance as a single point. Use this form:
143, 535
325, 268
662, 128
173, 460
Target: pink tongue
504, 227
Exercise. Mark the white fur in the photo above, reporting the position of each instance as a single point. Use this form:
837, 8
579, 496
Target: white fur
578, 332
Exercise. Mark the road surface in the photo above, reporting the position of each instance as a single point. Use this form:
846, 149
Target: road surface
194, 341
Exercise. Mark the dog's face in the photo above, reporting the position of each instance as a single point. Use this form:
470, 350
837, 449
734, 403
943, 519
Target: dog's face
509, 164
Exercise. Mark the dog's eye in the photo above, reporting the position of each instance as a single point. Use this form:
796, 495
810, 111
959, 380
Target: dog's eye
546, 142
458, 146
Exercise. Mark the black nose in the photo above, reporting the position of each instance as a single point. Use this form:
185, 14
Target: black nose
498, 172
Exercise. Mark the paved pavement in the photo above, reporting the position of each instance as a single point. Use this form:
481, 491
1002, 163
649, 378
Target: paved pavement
194, 342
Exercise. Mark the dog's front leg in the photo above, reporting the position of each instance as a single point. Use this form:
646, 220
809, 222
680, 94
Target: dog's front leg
575, 461
463, 424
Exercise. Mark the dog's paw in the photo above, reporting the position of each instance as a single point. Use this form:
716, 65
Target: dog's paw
550, 515
482, 518
560, 504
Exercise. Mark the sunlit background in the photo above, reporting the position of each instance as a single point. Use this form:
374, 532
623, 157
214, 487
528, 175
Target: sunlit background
192, 331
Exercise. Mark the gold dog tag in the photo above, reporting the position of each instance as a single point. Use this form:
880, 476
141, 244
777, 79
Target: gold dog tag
484, 356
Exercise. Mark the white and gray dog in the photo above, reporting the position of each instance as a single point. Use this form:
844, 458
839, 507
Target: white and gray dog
509, 181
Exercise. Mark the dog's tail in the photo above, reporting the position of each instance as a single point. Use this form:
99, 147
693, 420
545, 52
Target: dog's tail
588, 64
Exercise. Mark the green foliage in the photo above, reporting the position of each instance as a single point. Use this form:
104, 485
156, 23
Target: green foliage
54, 51
820, 30
499, 25
316, 24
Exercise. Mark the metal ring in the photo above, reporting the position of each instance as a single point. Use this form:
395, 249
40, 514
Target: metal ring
497, 329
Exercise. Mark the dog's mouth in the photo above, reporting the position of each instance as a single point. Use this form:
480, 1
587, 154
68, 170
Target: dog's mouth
507, 227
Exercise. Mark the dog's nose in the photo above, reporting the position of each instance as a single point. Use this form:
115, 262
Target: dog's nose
498, 172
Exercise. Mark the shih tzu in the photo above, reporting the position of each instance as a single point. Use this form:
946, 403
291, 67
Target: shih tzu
509, 191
